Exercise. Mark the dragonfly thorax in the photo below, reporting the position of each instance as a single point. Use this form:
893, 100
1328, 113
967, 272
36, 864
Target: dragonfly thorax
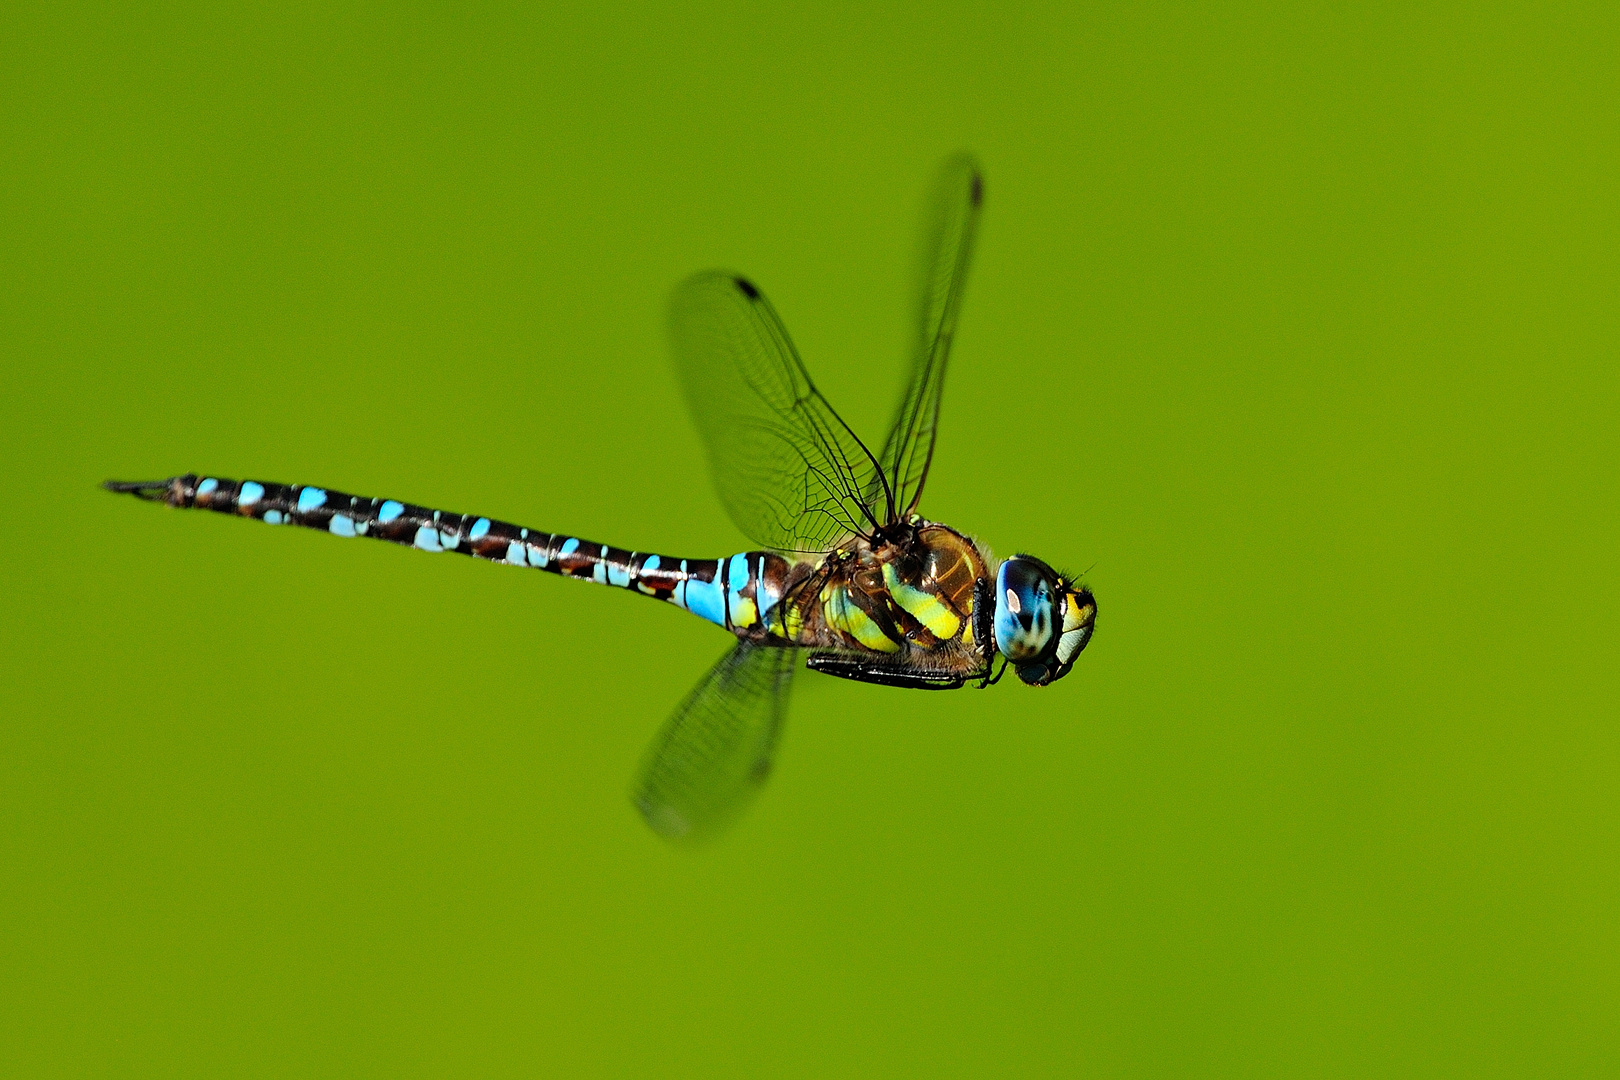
913, 587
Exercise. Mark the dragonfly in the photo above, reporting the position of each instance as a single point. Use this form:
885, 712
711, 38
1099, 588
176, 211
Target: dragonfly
849, 579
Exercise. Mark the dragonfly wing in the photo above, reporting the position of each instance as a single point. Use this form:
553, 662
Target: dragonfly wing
715, 751
790, 472
947, 248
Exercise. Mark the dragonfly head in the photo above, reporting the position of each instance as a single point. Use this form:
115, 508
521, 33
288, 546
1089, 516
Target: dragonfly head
1043, 619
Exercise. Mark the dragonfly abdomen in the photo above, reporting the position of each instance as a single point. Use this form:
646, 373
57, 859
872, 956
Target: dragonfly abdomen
738, 592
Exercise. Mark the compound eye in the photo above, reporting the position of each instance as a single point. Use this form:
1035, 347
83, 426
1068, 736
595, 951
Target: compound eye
1026, 602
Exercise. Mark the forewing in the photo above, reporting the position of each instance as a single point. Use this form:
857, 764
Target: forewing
715, 751
790, 472
947, 248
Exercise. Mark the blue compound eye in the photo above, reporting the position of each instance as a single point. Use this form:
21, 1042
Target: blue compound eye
1026, 603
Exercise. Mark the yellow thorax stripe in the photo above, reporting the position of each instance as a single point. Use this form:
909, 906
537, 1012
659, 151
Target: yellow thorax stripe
925, 607
843, 614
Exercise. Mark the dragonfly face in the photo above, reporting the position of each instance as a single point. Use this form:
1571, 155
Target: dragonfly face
1043, 620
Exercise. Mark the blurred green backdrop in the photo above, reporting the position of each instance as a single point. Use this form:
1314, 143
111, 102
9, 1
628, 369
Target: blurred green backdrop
1331, 293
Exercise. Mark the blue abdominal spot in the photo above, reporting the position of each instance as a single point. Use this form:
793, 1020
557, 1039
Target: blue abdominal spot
707, 599
427, 538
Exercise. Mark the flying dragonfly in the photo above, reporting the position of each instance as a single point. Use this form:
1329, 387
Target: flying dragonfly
849, 580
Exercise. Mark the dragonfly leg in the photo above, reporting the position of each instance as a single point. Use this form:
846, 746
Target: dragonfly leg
845, 667
988, 681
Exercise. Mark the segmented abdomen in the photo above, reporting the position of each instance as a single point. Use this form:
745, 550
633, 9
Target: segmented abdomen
737, 593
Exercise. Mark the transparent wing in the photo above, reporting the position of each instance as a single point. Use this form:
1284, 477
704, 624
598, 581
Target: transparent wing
715, 751
952, 219
790, 472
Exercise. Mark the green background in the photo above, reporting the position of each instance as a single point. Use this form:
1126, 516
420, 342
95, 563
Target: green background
1294, 327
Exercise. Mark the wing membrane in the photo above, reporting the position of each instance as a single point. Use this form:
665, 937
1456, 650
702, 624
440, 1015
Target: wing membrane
790, 472
715, 750
951, 223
